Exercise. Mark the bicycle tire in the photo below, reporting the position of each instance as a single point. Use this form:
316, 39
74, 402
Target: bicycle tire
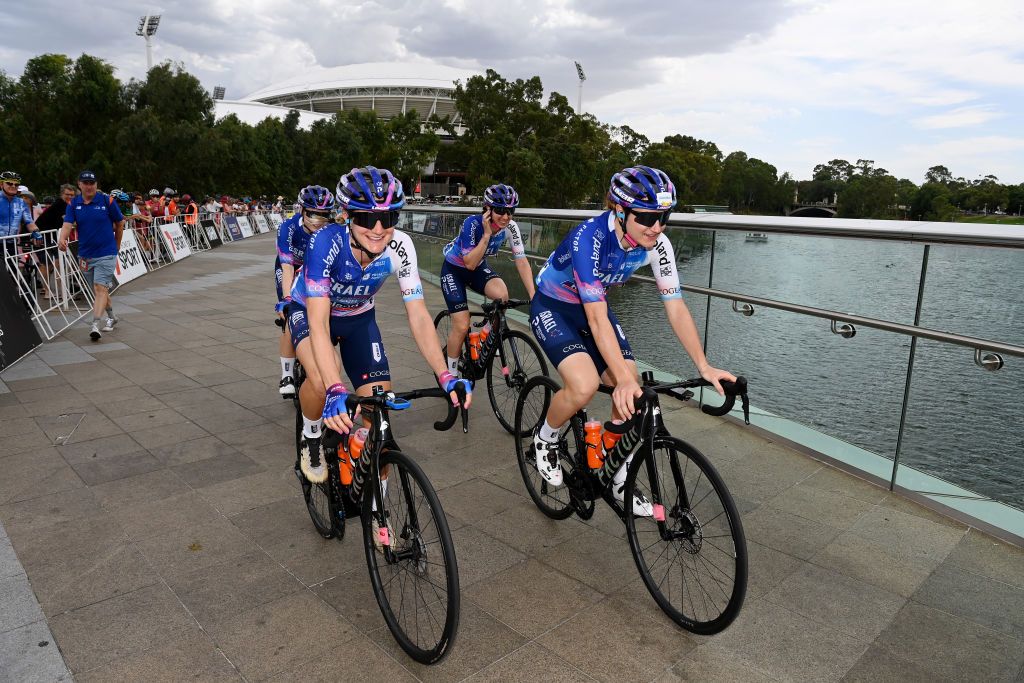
319, 498
531, 407
427, 548
691, 511
443, 327
518, 374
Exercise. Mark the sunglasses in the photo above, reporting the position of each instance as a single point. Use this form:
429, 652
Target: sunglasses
315, 216
368, 219
648, 219
503, 210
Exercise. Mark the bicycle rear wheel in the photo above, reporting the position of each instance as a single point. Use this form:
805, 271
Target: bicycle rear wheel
531, 408
443, 327
520, 359
413, 570
694, 562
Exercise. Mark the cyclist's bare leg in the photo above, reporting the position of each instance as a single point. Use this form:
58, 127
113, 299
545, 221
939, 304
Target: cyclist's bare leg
312, 394
607, 378
496, 290
579, 384
460, 327
367, 414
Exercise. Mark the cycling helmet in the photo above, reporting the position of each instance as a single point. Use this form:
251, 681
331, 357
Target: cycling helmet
316, 198
154, 192
120, 195
186, 198
642, 187
22, 189
168, 192
10, 177
370, 189
501, 196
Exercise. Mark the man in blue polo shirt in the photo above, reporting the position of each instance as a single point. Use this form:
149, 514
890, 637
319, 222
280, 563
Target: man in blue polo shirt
100, 223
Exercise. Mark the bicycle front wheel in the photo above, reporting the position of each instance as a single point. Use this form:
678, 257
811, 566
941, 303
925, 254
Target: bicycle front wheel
531, 409
443, 327
412, 562
318, 497
692, 553
516, 360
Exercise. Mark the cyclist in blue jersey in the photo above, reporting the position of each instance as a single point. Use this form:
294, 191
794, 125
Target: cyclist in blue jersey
346, 264
14, 214
292, 237
465, 262
581, 335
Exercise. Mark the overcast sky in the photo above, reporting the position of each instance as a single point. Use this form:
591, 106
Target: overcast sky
907, 83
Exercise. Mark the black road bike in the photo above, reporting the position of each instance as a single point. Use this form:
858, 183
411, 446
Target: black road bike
409, 548
507, 358
691, 554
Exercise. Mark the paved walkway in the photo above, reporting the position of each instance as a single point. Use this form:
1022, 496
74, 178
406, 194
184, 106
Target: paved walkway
156, 530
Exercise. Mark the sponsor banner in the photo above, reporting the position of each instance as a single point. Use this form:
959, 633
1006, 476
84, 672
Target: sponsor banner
432, 224
261, 223
131, 262
245, 226
175, 241
210, 228
18, 335
276, 220
419, 221
234, 229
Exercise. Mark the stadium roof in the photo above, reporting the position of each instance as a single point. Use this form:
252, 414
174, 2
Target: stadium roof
376, 74
253, 113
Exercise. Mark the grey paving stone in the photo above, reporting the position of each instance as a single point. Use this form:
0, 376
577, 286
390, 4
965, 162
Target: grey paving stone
189, 657
155, 437
62, 353
245, 493
210, 471
820, 506
28, 518
709, 662
897, 569
595, 558
901, 530
94, 425
952, 647
279, 522
18, 605
110, 346
149, 487
788, 533
59, 428
261, 435
188, 549
480, 556
81, 450
116, 467
372, 665
30, 367
275, 637
984, 601
526, 529
223, 416
314, 560
192, 450
122, 626
477, 499
155, 517
981, 554
36, 473
147, 418
881, 666
531, 662
9, 564
30, 655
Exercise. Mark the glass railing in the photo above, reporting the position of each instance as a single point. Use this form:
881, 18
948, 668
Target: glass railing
905, 400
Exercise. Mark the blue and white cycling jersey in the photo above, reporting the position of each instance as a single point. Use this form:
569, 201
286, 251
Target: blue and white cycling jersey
14, 213
331, 270
589, 261
292, 241
472, 232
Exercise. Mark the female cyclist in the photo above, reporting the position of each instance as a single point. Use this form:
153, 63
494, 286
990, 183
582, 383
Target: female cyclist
465, 262
346, 265
581, 335
293, 235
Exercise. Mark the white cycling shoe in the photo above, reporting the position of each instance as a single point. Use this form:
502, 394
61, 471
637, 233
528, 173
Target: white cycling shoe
317, 473
641, 506
547, 461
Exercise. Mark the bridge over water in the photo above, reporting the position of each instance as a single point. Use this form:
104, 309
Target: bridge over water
153, 530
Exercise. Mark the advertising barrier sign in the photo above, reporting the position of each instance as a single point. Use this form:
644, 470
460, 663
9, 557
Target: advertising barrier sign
18, 335
131, 262
261, 223
210, 228
245, 225
177, 244
234, 229
276, 220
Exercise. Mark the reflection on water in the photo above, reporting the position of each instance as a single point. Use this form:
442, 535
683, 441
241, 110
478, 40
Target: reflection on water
963, 423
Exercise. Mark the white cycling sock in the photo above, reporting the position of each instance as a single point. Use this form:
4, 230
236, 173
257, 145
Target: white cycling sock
286, 366
548, 433
311, 428
620, 476
453, 365
384, 489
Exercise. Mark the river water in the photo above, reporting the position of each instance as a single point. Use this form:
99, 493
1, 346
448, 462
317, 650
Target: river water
964, 424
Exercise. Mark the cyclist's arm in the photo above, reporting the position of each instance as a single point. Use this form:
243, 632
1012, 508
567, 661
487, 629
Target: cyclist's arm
519, 255
526, 275
682, 324
118, 232
287, 276
605, 338
474, 256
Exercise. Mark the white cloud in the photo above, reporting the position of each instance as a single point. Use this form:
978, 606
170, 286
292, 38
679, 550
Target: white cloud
959, 118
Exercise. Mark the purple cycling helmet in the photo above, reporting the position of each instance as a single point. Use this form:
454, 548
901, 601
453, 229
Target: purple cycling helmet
370, 189
502, 196
316, 198
642, 187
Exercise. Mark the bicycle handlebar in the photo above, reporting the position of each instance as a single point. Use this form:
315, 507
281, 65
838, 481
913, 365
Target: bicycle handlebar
680, 391
504, 305
403, 400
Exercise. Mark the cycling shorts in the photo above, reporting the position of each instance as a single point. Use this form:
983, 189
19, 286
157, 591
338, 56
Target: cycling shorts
278, 278
562, 329
362, 351
455, 279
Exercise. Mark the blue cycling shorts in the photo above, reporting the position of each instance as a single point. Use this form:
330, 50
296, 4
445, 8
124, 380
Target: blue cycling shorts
455, 279
562, 329
362, 351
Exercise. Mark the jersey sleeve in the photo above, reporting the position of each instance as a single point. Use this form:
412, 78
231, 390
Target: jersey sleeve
69, 213
403, 260
284, 248
663, 264
515, 240
320, 257
586, 248
26, 216
464, 243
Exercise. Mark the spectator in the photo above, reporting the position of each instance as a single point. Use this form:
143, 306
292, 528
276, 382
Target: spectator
155, 205
100, 224
14, 213
29, 198
279, 204
210, 205
167, 202
141, 220
191, 210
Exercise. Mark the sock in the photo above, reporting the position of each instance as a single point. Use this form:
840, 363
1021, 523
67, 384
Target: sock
95, 321
453, 365
549, 433
110, 312
384, 489
620, 476
286, 366
311, 428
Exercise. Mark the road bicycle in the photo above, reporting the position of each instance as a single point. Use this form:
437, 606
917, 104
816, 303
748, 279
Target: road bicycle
691, 553
409, 550
507, 358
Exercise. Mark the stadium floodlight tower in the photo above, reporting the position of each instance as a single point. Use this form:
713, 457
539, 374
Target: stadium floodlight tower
579, 96
147, 27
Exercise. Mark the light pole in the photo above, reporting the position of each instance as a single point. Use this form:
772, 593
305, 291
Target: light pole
147, 27
579, 97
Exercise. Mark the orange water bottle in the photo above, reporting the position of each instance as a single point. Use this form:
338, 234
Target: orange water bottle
592, 437
356, 442
344, 465
474, 345
611, 438
485, 332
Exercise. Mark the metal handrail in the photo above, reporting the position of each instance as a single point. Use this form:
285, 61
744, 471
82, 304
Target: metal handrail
973, 234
